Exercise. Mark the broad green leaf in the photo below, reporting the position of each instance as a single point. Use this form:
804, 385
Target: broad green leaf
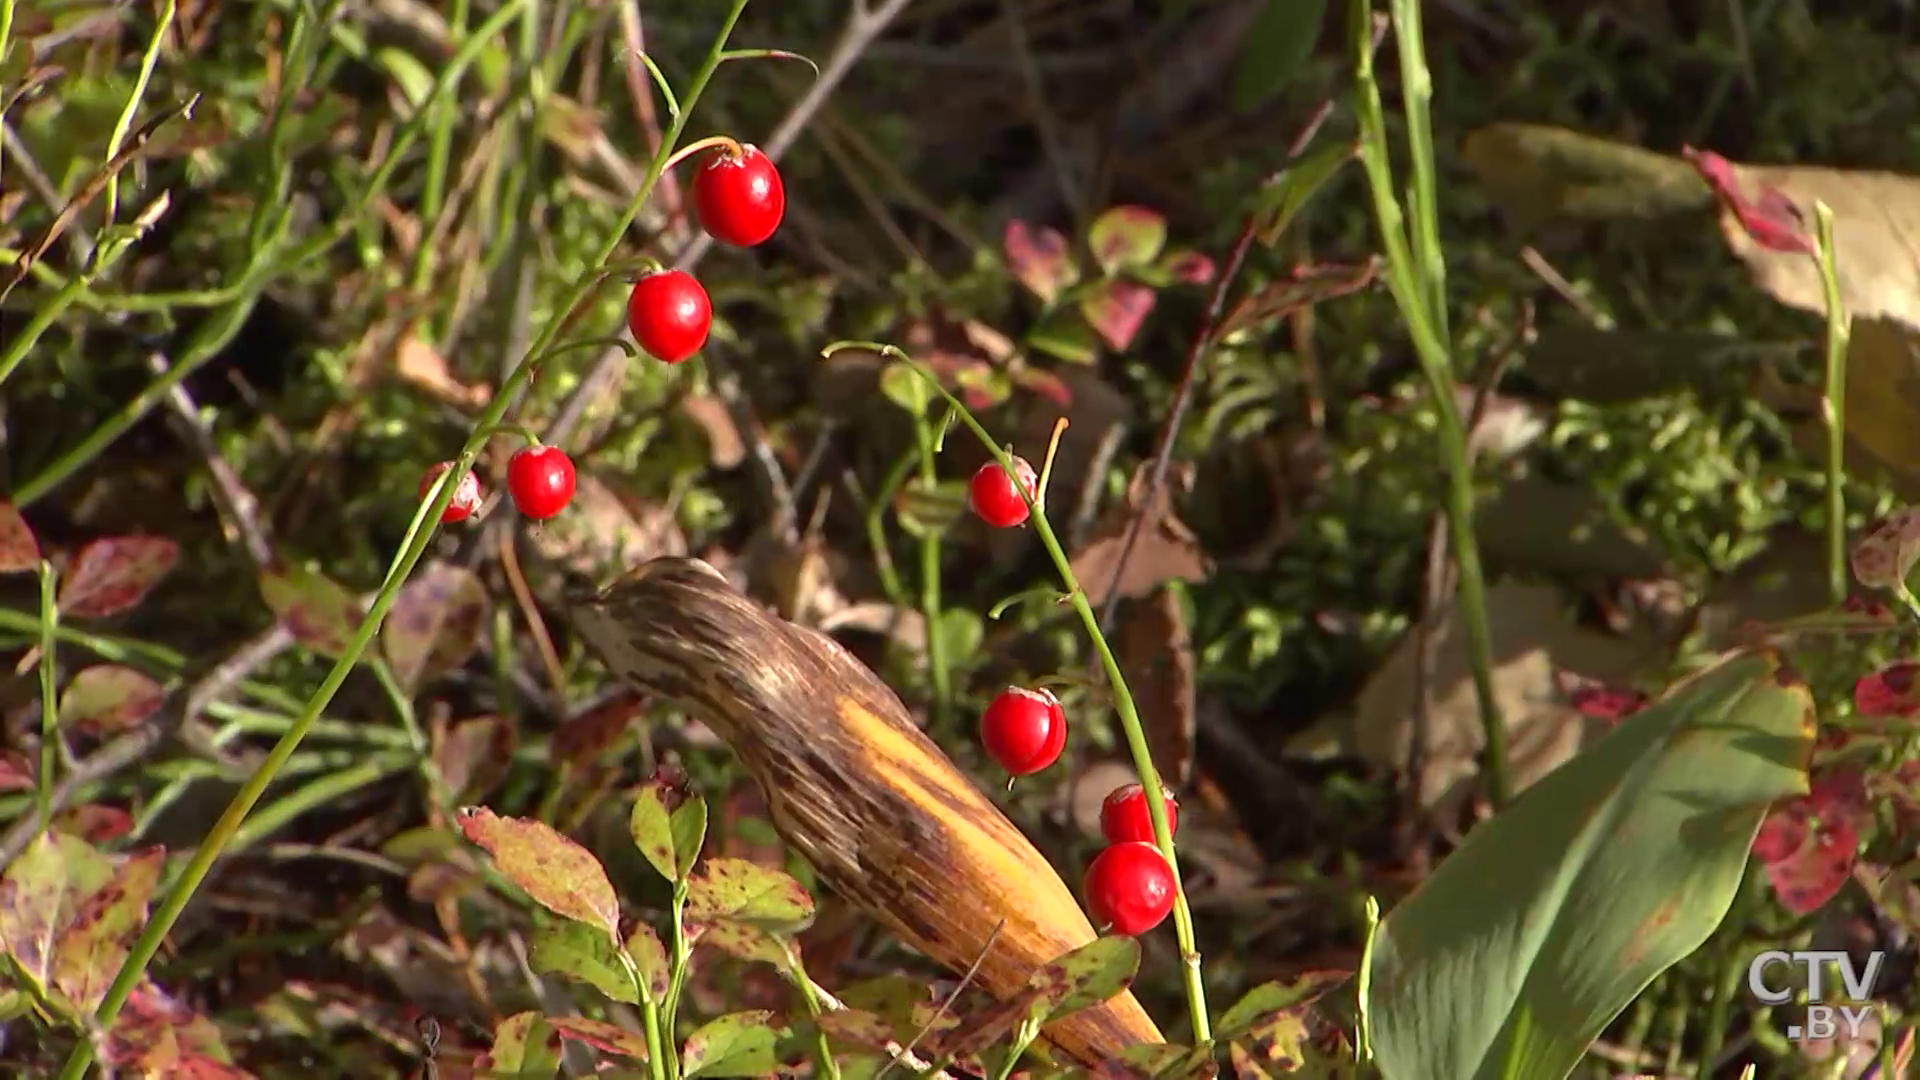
523, 1046
649, 954
318, 613
92, 947
1280, 200
1530, 938
737, 1044
1085, 977
107, 698
961, 633
742, 891
1126, 237
1063, 334
669, 826
906, 388
556, 872
581, 952
1278, 43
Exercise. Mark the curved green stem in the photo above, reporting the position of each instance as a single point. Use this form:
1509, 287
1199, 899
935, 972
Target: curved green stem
419, 535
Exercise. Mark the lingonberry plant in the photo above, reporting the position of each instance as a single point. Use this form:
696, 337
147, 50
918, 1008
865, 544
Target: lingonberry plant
541, 480
739, 196
1024, 730
670, 315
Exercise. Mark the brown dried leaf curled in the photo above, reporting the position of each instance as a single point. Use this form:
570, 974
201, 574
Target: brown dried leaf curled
1166, 549
1156, 657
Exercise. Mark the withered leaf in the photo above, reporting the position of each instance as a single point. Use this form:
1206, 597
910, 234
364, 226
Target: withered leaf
1166, 549
1156, 657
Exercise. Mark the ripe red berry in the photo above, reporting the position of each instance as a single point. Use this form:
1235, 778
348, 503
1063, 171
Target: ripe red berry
1024, 730
1129, 888
466, 494
669, 314
993, 497
540, 479
740, 199
1124, 816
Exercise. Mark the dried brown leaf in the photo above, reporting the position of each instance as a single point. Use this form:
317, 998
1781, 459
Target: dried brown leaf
1156, 656
1166, 549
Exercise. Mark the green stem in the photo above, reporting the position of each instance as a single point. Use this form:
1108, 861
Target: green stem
1410, 292
682, 964
124, 124
419, 535
1833, 404
937, 660
49, 706
1123, 699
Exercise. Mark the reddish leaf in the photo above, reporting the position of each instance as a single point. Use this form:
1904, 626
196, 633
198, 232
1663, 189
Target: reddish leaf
1116, 309
601, 1036
582, 738
38, 895
556, 872
163, 1037
114, 574
109, 698
1609, 704
1891, 691
95, 823
473, 755
434, 625
103, 930
318, 613
19, 551
1773, 223
1039, 259
1883, 556
16, 772
1809, 844
1189, 267
1127, 238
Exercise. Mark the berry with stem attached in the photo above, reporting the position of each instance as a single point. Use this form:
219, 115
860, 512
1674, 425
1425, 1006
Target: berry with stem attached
1130, 888
466, 495
541, 480
992, 496
740, 198
1124, 816
1024, 730
670, 315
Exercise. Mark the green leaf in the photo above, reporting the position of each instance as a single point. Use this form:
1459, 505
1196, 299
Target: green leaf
435, 623
906, 388
581, 952
1278, 44
38, 893
318, 613
1281, 199
92, 947
742, 891
524, 1045
669, 826
1126, 237
1064, 335
737, 1044
1534, 935
925, 511
961, 633
744, 941
108, 698
1085, 977
557, 873
1269, 998
650, 956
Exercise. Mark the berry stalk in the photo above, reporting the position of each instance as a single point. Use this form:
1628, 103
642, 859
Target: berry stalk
419, 534
1123, 699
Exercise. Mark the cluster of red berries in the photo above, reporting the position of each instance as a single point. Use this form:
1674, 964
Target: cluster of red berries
740, 200
1129, 886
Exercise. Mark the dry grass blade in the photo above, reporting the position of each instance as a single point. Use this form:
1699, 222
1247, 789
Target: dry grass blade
888, 821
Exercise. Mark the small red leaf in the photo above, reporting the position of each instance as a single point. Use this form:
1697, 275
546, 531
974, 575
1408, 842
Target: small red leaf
556, 872
114, 574
95, 823
1127, 238
582, 738
1774, 222
601, 1036
1116, 311
1039, 259
109, 698
1190, 267
19, 551
1809, 844
16, 772
316, 610
1892, 691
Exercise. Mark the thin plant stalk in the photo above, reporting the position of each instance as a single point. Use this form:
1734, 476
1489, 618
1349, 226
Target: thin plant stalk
1123, 699
1416, 295
49, 708
1833, 403
419, 535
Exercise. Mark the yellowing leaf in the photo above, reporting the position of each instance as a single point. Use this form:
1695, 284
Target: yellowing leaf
556, 872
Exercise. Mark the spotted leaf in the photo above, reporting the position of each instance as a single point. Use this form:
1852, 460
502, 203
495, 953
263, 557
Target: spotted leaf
435, 623
315, 609
107, 698
556, 872
114, 574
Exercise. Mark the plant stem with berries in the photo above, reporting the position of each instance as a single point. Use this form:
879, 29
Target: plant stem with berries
420, 534
1123, 699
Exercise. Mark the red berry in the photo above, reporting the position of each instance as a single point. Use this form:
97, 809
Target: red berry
1124, 817
740, 198
1024, 730
669, 314
1129, 888
540, 479
466, 494
993, 497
